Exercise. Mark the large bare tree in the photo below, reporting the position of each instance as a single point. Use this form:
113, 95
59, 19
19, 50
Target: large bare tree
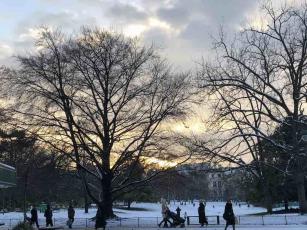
261, 81
102, 99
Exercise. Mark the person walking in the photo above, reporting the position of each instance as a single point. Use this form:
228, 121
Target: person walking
164, 211
71, 215
202, 214
178, 210
228, 215
34, 217
48, 215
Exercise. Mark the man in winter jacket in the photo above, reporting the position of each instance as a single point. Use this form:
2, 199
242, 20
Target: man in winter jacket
48, 215
228, 215
71, 215
34, 216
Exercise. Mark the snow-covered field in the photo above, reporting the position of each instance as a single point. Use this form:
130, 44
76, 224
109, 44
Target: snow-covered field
152, 216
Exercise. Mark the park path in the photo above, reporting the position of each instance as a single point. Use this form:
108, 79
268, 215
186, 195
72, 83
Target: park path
256, 227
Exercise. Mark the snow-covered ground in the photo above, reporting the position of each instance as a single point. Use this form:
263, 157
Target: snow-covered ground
152, 210
151, 216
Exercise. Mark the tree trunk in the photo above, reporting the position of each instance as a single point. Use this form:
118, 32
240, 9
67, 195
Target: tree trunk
268, 201
107, 199
86, 207
129, 204
300, 186
100, 217
105, 207
25, 194
86, 204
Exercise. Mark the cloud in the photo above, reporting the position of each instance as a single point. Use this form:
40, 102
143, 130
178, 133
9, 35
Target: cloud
174, 15
5, 50
157, 36
66, 20
27, 31
181, 27
211, 12
197, 32
126, 13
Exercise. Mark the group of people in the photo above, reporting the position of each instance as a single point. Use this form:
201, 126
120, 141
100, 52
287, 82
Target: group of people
166, 213
48, 215
228, 215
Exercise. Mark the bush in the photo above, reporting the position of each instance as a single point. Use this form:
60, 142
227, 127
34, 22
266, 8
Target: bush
23, 226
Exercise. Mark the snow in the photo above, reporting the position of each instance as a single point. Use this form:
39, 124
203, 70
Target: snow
152, 216
153, 210
212, 209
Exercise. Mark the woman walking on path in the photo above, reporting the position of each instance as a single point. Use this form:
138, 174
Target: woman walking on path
202, 214
228, 215
164, 212
71, 215
48, 215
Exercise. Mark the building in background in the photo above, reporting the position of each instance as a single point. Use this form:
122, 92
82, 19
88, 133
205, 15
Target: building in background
225, 184
7, 176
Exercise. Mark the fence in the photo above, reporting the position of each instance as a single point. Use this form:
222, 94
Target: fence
146, 222
254, 220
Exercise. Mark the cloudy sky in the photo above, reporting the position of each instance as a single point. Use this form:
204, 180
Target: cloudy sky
183, 29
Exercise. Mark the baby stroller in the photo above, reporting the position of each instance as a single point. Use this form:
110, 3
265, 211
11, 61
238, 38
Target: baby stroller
177, 220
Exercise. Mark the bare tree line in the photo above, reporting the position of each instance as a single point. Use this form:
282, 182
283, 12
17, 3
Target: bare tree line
102, 99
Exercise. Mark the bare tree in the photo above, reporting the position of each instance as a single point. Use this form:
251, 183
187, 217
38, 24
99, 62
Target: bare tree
101, 98
261, 81
237, 138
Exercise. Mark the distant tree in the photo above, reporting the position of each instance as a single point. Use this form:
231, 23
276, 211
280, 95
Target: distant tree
40, 175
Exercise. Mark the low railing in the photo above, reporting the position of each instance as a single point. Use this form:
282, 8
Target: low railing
253, 220
146, 222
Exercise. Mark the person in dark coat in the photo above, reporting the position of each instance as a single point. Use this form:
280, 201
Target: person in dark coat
165, 219
228, 215
48, 215
178, 210
202, 214
34, 216
71, 215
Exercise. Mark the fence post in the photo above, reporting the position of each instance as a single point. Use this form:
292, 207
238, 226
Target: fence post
262, 220
10, 223
86, 222
120, 222
138, 222
157, 220
286, 219
218, 220
239, 219
188, 220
